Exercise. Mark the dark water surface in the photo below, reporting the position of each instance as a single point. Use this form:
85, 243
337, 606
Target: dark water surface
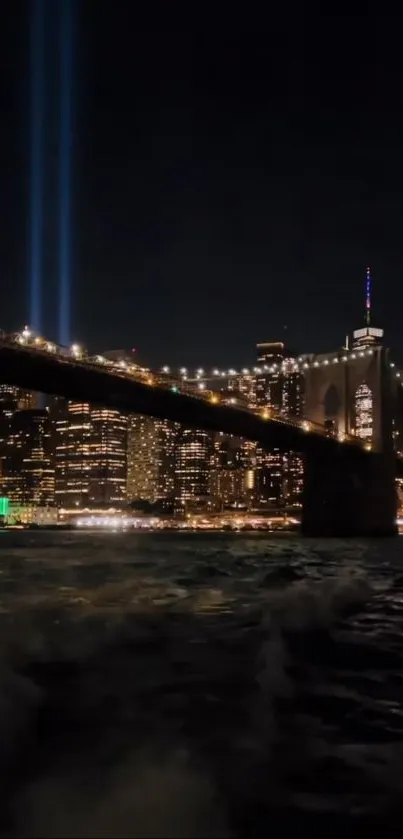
200, 685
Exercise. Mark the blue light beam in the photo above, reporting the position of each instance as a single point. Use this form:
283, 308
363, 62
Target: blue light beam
36, 162
65, 137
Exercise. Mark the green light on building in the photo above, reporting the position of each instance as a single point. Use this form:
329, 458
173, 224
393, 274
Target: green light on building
3, 507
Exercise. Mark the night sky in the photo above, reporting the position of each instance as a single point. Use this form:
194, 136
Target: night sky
231, 179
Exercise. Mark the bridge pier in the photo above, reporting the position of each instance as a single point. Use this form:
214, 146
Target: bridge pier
348, 493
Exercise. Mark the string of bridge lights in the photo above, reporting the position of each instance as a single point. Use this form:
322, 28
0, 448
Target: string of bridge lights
290, 366
27, 338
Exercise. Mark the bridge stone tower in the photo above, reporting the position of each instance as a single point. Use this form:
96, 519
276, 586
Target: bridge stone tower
352, 493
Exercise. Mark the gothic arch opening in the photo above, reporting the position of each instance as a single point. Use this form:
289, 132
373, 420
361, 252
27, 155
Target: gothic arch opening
331, 405
363, 412
332, 402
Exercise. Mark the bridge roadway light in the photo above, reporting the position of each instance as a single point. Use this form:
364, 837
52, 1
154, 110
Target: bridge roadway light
165, 369
306, 425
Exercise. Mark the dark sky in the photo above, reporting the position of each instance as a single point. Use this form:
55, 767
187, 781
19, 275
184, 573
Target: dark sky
231, 177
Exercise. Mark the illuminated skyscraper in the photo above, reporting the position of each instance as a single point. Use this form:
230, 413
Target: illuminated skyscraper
108, 465
27, 469
151, 452
15, 399
368, 336
72, 453
192, 471
12, 399
142, 458
90, 456
292, 406
363, 412
278, 475
270, 356
168, 435
227, 482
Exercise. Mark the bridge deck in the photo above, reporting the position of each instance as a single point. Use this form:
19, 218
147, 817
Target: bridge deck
62, 376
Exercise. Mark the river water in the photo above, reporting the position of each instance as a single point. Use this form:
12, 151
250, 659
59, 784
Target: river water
200, 685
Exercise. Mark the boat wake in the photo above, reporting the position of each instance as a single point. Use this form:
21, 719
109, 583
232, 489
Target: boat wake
143, 711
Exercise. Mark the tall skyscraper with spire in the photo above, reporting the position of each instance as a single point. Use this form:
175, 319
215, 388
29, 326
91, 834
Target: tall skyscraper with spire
368, 298
368, 335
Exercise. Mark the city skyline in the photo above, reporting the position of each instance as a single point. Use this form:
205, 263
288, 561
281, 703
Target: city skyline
239, 198
282, 338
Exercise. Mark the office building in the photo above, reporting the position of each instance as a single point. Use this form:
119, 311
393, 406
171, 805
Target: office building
27, 465
142, 458
12, 399
363, 412
151, 452
192, 471
72, 423
278, 477
169, 436
15, 399
269, 379
90, 456
108, 464
227, 479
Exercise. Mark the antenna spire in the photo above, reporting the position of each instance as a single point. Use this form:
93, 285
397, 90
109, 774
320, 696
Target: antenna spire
368, 297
